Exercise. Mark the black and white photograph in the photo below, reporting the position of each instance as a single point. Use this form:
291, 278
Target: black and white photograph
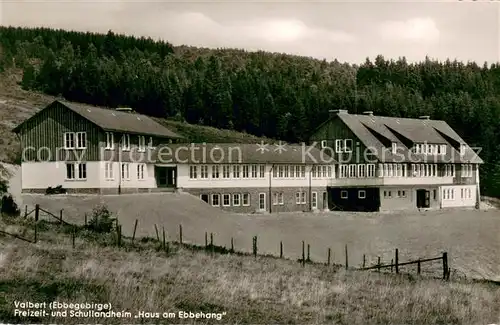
250, 162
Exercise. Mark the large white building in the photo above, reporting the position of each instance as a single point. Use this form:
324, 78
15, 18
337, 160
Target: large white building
93, 150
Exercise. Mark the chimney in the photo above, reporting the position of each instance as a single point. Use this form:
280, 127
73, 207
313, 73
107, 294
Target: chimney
335, 112
125, 109
370, 113
424, 117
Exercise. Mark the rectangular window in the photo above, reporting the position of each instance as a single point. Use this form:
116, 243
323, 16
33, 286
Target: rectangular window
297, 171
434, 194
226, 171
108, 171
69, 140
245, 171
361, 170
70, 171
215, 200
126, 171
297, 198
462, 149
236, 199
204, 171
352, 171
394, 147
313, 171
81, 140
141, 143
280, 171
371, 170
403, 193
323, 144
262, 171
110, 141
461, 193
344, 169
275, 198
329, 171
140, 171
281, 200
245, 199
303, 197
286, 171
390, 171
302, 171
226, 200
193, 172
324, 171
314, 200
215, 171
254, 171
150, 143
126, 142
292, 171
343, 194
236, 171
82, 171
338, 146
361, 194
275, 171
262, 201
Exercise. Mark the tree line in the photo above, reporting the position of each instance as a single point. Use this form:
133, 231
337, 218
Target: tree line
266, 94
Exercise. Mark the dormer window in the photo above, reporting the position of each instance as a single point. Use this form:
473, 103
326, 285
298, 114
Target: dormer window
142, 143
394, 147
126, 142
462, 149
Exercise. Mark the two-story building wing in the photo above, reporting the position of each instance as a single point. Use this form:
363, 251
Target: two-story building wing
82, 148
389, 163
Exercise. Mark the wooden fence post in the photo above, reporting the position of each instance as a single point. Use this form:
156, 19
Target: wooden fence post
308, 252
346, 258
206, 240
378, 264
135, 228
26, 211
86, 223
119, 228
164, 245
418, 266
329, 256
392, 264
303, 254
37, 212
61, 216
396, 259
180, 234
281, 249
157, 235
445, 265
255, 246
232, 245
73, 235
364, 260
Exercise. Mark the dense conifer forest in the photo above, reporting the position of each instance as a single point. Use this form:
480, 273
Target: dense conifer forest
275, 95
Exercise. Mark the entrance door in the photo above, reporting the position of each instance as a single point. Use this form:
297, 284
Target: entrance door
423, 198
204, 197
165, 176
325, 201
262, 201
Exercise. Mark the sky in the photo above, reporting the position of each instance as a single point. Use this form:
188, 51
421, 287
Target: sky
349, 31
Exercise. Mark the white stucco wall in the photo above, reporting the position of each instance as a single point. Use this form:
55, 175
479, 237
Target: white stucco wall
40, 175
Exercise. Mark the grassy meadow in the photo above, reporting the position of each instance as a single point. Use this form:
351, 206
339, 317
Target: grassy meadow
141, 277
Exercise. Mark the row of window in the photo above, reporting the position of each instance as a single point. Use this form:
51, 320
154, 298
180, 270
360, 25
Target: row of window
356, 170
292, 171
467, 170
109, 173
399, 194
76, 171
226, 171
238, 199
125, 142
429, 149
449, 193
322, 171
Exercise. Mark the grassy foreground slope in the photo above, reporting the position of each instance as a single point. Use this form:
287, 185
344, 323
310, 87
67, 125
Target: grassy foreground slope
248, 290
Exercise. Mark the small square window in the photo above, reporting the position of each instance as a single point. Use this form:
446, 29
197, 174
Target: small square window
343, 194
361, 194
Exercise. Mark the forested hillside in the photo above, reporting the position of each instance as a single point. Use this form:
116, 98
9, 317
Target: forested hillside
275, 95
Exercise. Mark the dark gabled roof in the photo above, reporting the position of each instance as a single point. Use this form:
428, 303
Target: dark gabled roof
116, 121
399, 130
236, 153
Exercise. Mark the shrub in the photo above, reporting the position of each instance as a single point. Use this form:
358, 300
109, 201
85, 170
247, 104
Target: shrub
101, 220
9, 206
3, 186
